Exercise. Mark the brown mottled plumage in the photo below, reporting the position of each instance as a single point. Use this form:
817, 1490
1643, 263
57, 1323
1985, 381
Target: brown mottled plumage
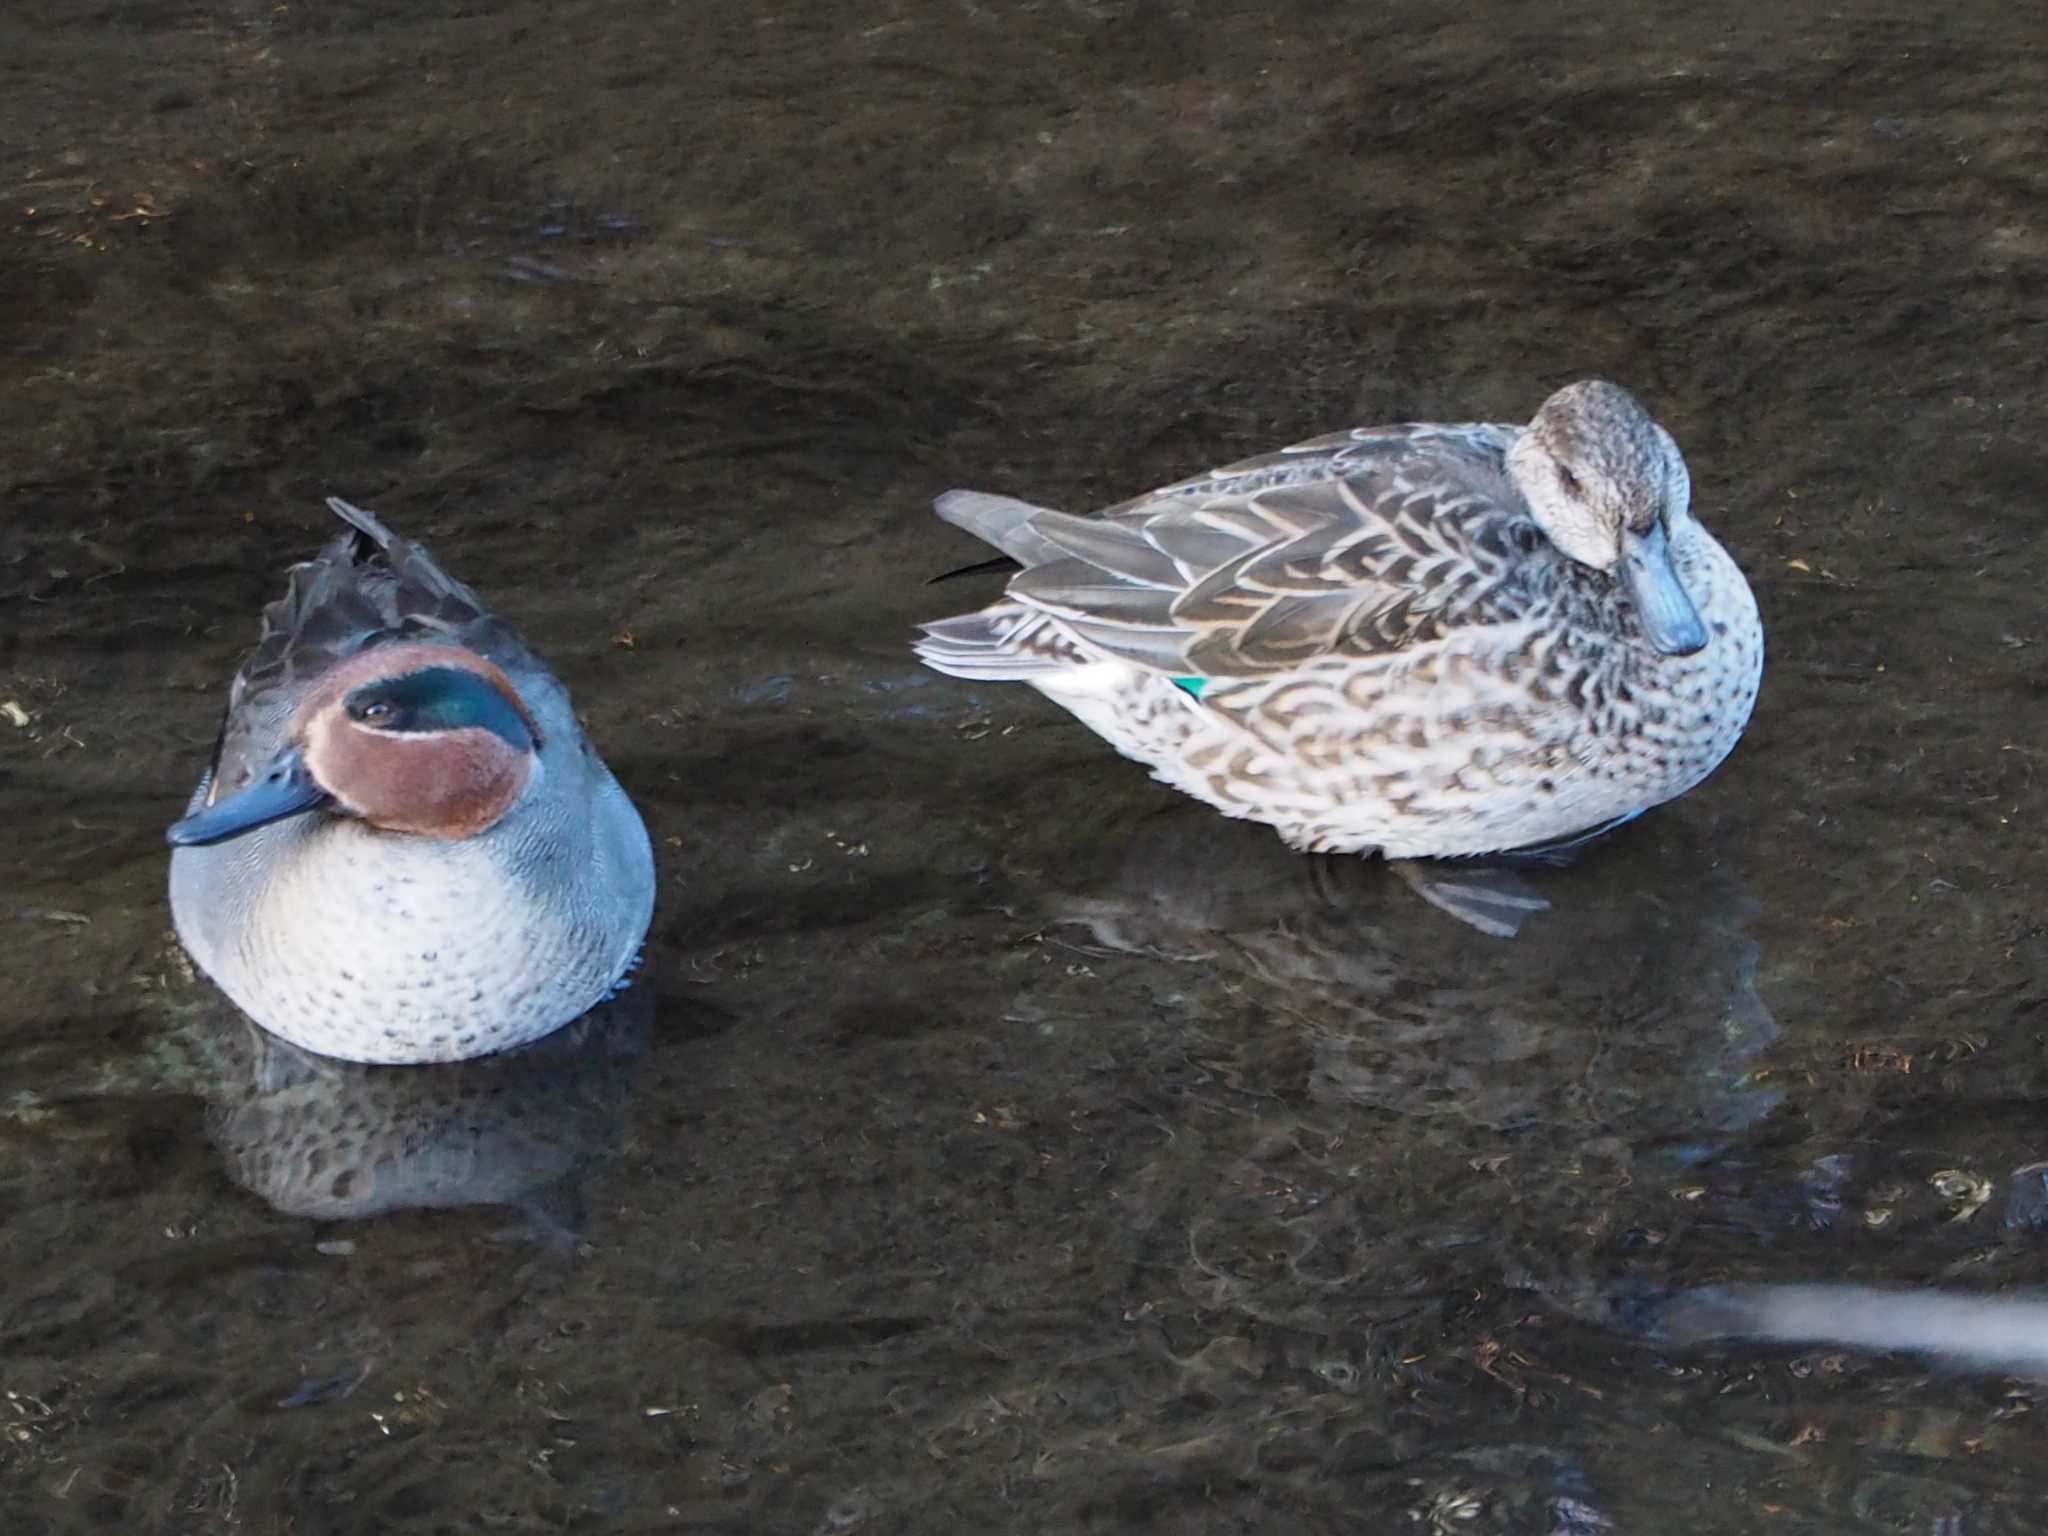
1425, 640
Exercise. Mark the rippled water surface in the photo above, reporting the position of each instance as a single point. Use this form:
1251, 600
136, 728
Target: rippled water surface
996, 1141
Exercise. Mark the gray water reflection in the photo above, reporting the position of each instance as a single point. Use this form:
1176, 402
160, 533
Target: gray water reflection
337, 1140
1399, 1089
1630, 1009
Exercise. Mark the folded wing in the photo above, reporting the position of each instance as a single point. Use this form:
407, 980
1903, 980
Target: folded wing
1356, 545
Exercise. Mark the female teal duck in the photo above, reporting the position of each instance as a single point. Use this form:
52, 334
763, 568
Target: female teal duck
1425, 640
405, 850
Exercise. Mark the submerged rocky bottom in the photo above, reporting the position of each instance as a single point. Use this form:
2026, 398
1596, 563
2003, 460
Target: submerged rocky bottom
995, 1139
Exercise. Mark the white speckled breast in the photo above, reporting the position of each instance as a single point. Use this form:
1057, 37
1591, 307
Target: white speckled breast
1503, 736
380, 946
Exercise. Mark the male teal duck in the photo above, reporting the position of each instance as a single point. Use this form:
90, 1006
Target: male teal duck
1425, 640
405, 850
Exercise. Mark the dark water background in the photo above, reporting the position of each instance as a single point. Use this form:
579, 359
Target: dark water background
998, 1142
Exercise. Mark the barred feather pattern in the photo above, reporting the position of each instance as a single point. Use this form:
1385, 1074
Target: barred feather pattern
1386, 651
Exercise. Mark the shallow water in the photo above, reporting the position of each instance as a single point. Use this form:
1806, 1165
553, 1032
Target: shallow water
995, 1140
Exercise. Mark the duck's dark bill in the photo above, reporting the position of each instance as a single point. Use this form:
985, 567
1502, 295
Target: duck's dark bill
1670, 622
287, 789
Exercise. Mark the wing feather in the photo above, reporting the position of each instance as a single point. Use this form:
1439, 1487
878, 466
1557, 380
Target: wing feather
1357, 544
1116, 547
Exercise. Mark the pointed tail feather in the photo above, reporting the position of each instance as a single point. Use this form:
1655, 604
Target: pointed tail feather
427, 594
363, 521
1002, 521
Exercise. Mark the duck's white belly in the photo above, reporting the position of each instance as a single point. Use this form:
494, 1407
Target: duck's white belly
377, 947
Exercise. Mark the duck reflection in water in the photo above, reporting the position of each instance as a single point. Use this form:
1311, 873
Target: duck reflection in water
1639, 1008
1385, 1140
525, 1128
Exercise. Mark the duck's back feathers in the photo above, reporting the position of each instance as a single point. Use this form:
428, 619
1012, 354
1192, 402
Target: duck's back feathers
410, 589
1359, 544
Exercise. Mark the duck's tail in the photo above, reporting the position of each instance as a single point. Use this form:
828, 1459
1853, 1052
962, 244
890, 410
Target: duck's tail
407, 585
1008, 643
363, 521
1003, 521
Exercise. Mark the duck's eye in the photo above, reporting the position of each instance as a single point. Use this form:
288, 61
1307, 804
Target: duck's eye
1568, 480
373, 713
